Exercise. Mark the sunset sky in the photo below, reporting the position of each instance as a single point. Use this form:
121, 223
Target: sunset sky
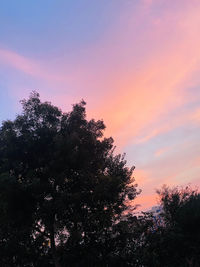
135, 62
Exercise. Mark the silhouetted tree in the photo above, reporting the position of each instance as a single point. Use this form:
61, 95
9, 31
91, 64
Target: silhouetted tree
176, 240
181, 215
61, 188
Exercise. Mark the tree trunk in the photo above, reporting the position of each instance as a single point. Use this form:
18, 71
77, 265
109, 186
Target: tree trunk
53, 248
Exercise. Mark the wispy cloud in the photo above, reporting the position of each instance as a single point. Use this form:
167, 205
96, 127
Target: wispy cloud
142, 78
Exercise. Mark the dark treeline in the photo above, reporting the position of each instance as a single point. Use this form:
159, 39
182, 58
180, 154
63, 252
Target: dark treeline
64, 199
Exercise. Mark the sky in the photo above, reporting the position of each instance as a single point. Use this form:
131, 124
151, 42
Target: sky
135, 62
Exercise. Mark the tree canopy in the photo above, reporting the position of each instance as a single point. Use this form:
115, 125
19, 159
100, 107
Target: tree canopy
174, 240
64, 198
61, 187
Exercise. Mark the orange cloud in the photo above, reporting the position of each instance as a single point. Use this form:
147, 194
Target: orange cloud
145, 201
130, 80
139, 73
141, 97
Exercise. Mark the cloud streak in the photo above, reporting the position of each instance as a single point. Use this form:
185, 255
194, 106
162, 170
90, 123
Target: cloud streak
142, 78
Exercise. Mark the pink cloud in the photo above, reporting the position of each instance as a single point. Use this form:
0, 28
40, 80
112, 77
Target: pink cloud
19, 62
130, 81
136, 76
35, 68
140, 92
145, 201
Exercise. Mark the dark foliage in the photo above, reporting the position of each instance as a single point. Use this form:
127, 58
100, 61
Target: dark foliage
64, 199
61, 188
175, 242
